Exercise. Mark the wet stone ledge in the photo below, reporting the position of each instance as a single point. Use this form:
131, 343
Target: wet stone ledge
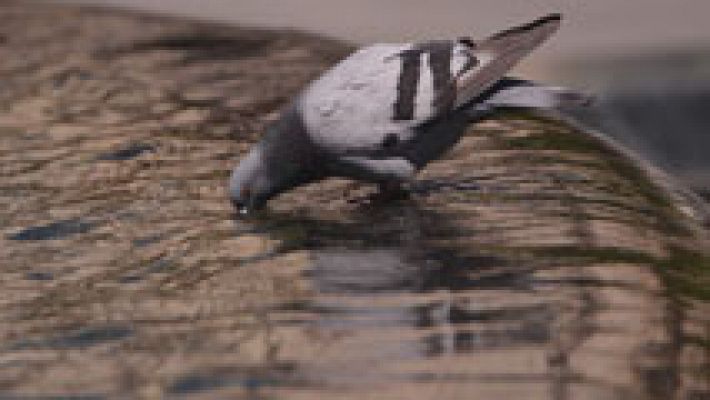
535, 261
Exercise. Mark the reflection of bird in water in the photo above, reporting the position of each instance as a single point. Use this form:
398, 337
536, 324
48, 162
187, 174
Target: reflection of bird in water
400, 270
384, 112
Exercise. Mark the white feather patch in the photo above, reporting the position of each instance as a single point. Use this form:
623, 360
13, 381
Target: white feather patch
351, 106
425, 89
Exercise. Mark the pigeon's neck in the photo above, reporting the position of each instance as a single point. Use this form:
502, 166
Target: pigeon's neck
288, 154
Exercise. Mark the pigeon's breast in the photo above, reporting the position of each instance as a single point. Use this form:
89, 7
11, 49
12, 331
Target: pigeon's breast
354, 106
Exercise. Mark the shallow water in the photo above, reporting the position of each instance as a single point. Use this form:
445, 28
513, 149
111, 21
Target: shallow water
333, 293
516, 269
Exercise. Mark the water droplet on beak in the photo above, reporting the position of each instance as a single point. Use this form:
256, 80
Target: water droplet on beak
240, 207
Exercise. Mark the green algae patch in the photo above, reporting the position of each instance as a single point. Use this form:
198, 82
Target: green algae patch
686, 273
554, 135
595, 254
619, 174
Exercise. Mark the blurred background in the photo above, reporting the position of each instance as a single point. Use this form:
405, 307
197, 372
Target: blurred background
648, 61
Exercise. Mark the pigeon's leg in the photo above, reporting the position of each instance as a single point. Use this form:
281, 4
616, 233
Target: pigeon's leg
518, 93
392, 190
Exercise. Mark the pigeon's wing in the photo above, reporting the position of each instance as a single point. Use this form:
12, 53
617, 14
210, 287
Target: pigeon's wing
351, 108
378, 96
499, 53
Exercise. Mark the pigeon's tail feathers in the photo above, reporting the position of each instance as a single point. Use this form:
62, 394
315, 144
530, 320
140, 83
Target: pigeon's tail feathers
500, 52
539, 29
518, 93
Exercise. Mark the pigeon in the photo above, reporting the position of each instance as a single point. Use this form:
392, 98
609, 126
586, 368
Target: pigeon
381, 114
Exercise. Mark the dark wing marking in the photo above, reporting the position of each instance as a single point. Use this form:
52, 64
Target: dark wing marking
444, 86
407, 84
440, 54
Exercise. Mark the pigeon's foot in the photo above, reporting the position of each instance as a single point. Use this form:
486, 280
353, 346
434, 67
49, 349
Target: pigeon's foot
391, 191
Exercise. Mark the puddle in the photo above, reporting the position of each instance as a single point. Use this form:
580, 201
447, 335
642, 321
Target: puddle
126, 153
78, 339
54, 230
146, 240
39, 276
251, 381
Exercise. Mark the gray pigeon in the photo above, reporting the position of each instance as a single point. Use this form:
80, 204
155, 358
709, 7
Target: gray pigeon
384, 112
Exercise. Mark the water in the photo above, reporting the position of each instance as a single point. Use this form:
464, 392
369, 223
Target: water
517, 269
331, 293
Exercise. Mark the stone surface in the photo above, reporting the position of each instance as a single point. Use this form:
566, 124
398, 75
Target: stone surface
533, 262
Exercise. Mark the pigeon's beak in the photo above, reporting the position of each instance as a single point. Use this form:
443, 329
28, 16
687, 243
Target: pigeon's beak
240, 207
247, 204
247, 210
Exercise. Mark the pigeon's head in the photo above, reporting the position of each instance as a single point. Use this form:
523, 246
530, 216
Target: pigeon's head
251, 185
280, 161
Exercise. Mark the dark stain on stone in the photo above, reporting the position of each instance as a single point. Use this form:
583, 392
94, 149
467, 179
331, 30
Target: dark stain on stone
146, 240
81, 338
126, 153
155, 266
61, 78
251, 379
199, 46
129, 278
39, 276
54, 230
198, 383
159, 265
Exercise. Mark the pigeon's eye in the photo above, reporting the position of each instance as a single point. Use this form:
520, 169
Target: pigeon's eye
390, 141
